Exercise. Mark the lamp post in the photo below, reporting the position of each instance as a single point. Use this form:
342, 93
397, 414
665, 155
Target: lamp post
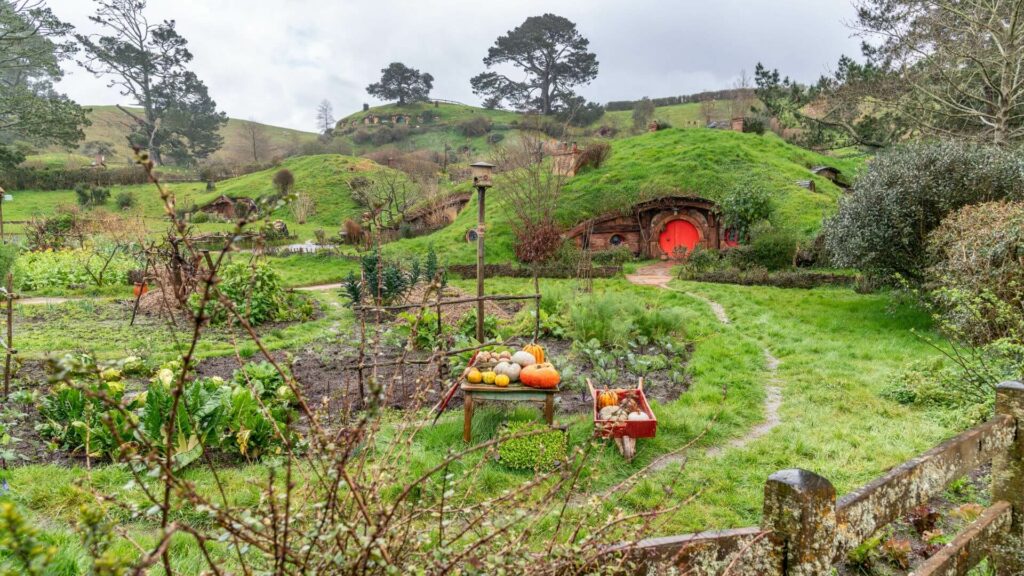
482, 181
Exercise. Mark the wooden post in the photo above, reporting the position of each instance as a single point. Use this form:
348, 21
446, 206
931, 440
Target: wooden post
467, 416
1008, 477
10, 334
800, 514
480, 264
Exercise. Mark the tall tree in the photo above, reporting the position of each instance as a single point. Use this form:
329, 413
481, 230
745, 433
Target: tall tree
325, 117
402, 83
963, 63
149, 63
256, 136
554, 56
33, 42
643, 113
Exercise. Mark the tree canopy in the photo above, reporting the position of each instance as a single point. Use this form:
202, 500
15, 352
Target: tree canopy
33, 42
554, 56
148, 62
402, 83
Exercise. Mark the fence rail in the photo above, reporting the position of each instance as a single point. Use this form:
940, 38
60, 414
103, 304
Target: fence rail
805, 530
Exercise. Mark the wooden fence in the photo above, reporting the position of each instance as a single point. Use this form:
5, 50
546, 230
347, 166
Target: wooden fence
806, 530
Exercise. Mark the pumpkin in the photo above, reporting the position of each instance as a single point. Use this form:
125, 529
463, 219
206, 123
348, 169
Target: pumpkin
638, 416
536, 350
524, 359
501, 380
510, 369
607, 397
612, 413
540, 376
488, 377
474, 376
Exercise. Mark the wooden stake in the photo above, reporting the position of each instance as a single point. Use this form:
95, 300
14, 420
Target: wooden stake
480, 264
10, 334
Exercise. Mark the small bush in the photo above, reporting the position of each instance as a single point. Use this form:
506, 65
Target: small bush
125, 200
537, 450
256, 293
773, 250
495, 138
976, 279
473, 127
8, 256
64, 269
199, 217
594, 155
361, 136
755, 125
616, 256
283, 181
89, 195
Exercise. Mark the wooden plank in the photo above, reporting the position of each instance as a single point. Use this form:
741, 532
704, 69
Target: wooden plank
971, 546
862, 512
510, 389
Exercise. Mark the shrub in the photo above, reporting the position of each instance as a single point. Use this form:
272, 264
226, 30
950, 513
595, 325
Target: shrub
473, 127
495, 138
536, 449
8, 256
283, 181
773, 249
883, 226
615, 256
361, 136
255, 292
89, 195
125, 200
199, 217
976, 277
755, 125
594, 155
745, 204
303, 207
382, 136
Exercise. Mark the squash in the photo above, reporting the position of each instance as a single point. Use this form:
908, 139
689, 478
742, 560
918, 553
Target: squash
501, 380
488, 377
540, 376
612, 413
510, 369
474, 376
524, 359
607, 397
536, 350
638, 416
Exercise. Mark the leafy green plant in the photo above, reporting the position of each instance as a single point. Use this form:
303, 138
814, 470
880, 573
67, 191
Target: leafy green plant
89, 195
64, 269
125, 200
256, 293
535, 449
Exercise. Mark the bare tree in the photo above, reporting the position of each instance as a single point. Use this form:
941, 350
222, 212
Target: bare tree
325, 117
532, 190
707, 109
388, 197
256, 138
963, 63
743, 95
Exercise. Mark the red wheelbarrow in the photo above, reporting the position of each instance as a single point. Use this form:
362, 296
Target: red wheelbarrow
626, 430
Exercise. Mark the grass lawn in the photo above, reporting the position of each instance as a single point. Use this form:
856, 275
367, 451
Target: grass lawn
836, 349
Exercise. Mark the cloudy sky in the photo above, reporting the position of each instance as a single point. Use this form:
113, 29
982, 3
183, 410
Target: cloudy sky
275, 60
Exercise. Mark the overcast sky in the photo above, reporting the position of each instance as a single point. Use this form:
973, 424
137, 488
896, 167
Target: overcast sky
275, 60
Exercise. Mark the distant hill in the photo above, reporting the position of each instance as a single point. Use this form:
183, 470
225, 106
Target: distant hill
110, 125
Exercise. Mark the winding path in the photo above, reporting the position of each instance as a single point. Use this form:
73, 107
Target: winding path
660, 275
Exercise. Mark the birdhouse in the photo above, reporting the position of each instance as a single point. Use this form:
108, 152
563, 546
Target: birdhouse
482, 172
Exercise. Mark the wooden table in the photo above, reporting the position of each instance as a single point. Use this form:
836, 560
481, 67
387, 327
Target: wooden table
473, 393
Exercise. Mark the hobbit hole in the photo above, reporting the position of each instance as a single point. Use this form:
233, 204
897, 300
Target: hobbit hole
668, 227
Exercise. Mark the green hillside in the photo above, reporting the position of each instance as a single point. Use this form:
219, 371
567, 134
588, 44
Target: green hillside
679, 116
109, 125
324, 178
699, 162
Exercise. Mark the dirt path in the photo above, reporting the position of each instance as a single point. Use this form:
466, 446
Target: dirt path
44, 300
660, 275
319, 288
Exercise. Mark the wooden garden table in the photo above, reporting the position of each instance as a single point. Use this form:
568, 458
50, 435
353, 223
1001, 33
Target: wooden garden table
472, 393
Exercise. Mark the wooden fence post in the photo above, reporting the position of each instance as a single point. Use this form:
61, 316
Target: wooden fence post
1008, 476
800, 513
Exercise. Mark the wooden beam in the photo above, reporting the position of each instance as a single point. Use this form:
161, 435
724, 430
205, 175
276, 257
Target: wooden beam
971, 546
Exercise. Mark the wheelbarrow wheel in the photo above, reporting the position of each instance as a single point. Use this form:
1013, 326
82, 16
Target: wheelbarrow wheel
627, 447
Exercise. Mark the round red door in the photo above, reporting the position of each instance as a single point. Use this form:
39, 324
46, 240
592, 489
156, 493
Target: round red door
678, 235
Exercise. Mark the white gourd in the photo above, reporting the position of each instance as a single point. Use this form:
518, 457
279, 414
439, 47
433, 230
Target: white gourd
509, 369
524, 359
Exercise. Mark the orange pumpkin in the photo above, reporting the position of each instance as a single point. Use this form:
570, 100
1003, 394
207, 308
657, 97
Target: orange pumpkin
536, 350
607, 397
540, 376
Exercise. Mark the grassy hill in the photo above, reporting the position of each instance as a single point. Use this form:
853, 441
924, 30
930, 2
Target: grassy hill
324, 178
697, 162
110, 125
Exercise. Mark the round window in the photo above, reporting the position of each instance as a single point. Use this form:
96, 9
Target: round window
471, 236
616, 240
